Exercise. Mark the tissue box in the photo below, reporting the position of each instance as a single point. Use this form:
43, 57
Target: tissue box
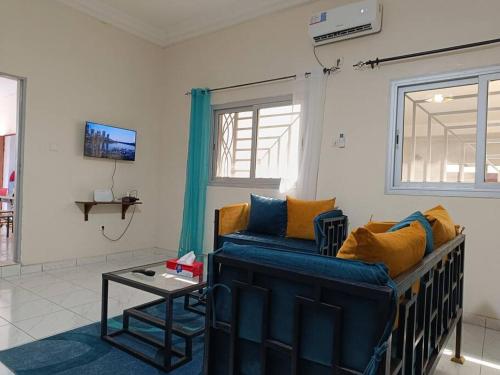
195, 270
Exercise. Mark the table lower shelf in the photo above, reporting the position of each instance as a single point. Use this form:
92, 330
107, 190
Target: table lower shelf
171, 357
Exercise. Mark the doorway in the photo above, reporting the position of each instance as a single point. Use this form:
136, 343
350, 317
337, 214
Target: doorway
11, 125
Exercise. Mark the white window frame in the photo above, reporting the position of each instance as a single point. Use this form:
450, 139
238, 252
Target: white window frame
247, 106
480, 188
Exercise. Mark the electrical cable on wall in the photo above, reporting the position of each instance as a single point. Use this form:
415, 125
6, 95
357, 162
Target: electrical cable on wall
333, 68
126, 228
133, 210
124, 231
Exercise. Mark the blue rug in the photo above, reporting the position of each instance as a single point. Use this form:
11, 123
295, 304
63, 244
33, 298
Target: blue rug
82, 351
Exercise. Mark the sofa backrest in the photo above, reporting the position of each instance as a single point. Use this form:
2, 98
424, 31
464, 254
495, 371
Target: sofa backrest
281, 309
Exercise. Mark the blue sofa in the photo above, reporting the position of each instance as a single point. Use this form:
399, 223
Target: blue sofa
330, 233
277, 312
281, 307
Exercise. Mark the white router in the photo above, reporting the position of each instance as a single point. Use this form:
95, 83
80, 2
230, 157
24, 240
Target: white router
103, 195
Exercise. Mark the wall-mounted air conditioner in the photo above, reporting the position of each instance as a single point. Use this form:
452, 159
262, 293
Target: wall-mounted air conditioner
345, 22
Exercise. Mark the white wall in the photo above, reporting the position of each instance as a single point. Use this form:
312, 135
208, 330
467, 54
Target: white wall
357, 105
79, 69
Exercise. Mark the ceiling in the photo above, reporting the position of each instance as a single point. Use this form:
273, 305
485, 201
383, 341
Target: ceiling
165, 22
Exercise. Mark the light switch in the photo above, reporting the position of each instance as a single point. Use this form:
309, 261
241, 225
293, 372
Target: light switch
340, 141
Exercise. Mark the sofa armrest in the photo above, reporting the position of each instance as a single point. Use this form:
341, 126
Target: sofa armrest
330, 231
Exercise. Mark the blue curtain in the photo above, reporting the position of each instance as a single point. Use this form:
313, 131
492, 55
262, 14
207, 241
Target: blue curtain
193, 220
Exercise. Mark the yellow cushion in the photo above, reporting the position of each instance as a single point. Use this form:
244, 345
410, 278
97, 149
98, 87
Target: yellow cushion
443, 227
233, 218
399, 250
301, 216
380, 226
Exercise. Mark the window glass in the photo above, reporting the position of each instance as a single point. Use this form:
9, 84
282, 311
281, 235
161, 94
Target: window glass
265, 150
492, 167
439, 135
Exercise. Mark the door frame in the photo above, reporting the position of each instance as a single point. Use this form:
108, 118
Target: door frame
21, 124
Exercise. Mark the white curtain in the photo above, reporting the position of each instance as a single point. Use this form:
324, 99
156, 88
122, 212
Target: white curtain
309, 93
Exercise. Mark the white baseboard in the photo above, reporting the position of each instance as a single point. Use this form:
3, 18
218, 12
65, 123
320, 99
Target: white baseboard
17, 269
482, 321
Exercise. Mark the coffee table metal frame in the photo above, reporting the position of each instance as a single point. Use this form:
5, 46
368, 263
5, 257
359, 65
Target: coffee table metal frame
137, 312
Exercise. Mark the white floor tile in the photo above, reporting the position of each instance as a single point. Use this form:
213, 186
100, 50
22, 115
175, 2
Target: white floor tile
491, 369
136, 299
446, 366
27, 310
15, 296
11, 336
118, 290
93, 284
27, 281
78, 297
54, 289
51, 324
4, 284
491, 352
472, 340
92, 311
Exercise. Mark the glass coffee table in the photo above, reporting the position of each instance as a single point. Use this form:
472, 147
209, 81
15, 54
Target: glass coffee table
159, 315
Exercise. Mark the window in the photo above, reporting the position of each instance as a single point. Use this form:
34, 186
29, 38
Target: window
256, 143
445, 135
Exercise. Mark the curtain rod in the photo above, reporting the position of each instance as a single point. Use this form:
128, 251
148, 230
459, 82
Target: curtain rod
378, 61
285, 78
251, 83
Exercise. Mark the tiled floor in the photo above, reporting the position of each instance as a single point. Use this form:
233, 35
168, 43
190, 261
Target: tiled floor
39, 305
481, 349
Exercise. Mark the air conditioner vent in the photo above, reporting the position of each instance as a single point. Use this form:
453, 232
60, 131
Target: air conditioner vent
342, 33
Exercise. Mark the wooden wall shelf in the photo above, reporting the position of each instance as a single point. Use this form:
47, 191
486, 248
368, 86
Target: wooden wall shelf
88, 205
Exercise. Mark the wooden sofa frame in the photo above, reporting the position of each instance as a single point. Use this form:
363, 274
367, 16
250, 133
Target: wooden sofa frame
425, 320
335, 230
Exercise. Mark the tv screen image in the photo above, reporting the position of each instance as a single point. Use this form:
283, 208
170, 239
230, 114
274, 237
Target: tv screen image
110, 142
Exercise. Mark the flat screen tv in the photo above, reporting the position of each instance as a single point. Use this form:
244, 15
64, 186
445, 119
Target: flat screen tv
109, 142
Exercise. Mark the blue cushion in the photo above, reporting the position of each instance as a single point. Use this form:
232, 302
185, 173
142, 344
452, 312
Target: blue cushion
267, 240
319, 235
418, 216
267, 215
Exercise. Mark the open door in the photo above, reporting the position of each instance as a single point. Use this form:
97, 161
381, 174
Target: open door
11, 119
